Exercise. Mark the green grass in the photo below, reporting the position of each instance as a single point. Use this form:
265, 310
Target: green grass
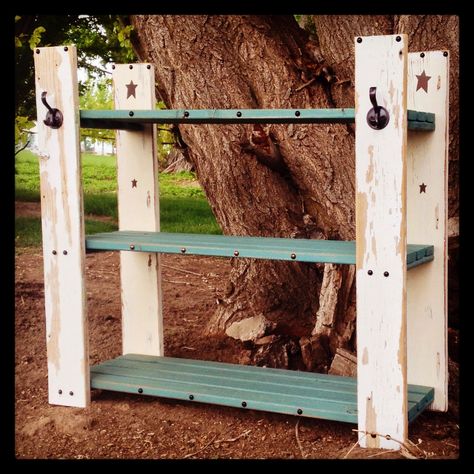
28, 230
183, 205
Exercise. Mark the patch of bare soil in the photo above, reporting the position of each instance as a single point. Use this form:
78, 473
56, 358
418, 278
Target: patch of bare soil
120, 426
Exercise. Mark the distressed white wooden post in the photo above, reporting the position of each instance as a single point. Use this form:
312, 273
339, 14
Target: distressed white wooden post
381, 62
427, 195
138, 209
63, 228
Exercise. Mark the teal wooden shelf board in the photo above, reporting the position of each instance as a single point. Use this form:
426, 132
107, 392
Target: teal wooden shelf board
281, 391
276, 248
134, 119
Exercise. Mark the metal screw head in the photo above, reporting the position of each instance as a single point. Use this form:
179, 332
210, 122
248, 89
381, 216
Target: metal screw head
131, 113
370, 272
359, 39
398, 39
293, 256
299, 411
191, 397
236, 253
71, 393
113, 66
373, 435
54, 252
297, 113
183, 250
239, 114
64, 252
130, 67
385, 274
148, 66
37, 51
60, 392
186, 113
445, 54
422, 55
140, 390
244, 404
132, 247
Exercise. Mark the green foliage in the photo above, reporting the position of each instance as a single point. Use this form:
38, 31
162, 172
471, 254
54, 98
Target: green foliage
97, 94
22, 127
96, 37
35, 37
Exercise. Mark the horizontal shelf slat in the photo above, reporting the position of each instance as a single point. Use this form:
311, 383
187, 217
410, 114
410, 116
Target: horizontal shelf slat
281, 391
275, 248
135, 119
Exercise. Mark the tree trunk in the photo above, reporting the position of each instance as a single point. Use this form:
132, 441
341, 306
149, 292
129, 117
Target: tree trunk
305, 189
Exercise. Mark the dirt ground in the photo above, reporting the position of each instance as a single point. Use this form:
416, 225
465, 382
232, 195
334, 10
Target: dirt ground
122, 426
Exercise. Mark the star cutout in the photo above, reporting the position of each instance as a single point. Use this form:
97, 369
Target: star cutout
422, 81
131, 89
134, 183
422, 188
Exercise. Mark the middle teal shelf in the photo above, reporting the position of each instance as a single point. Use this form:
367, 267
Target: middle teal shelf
273, 248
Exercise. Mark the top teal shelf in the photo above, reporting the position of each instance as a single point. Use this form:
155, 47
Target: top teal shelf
134, 119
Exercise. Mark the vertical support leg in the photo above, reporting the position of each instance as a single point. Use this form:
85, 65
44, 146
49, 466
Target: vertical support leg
138, 206
63, 228
381, 62
427, 195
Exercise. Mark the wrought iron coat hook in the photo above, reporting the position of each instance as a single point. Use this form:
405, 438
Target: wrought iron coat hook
378, 116
54, 117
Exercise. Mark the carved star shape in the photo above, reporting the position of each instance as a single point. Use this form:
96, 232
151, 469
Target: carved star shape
131, 89
422, 81
422, 188
134, 183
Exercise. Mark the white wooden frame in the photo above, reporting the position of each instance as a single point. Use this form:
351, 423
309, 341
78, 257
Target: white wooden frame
381, 62
138, 209
388, 174
63, 228
427, 214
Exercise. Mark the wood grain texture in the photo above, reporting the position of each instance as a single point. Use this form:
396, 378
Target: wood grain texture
381, 243
138, 209
427, 194
63, 229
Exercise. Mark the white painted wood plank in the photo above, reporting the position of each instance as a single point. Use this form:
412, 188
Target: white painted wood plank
63, 229
427, 213
138, 206
381, 242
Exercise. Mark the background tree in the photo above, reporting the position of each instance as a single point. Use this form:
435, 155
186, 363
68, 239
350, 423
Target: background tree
306, 189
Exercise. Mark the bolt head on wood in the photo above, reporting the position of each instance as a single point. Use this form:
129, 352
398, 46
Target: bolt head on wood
132, 247
244, 404
299, 411
236, 253
293, 256
183, 250
140, 390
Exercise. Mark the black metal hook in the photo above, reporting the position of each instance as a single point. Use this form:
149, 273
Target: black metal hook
54, 117
378, 116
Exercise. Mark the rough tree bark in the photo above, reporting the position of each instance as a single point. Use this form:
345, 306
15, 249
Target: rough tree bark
298, 314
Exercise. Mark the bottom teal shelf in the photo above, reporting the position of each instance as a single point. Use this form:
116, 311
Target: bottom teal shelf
307, 394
